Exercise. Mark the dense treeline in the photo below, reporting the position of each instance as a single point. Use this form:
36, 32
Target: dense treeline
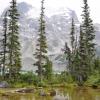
81, 56
83, 64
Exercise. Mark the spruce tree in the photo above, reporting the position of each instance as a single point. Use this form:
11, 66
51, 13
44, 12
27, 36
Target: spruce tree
5, 22
82, 67
75, 59
67, 52
89, 36
41, 50
72, 38
3, 45
14, 55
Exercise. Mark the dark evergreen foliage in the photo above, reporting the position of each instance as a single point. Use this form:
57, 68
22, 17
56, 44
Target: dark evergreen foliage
3, 44
41, 50
13, 43
87, 45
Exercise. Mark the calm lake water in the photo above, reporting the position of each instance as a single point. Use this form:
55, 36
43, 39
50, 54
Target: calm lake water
71, 94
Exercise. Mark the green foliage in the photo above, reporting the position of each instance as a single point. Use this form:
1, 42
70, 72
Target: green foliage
62, 78
97, 64
88, 36
41, 49
3, 46
25, 80
29, 78
72, 37
82, 64
42, 61
67, 52
26, 76
81, 55
13, 44
66, 77
83, 61
86, 46
94, 79
48, 70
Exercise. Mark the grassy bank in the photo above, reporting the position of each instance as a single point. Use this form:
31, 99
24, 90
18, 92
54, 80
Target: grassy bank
30, 79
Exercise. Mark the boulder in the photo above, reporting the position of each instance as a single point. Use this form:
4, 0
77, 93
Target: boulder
4, 84
94, 86
52, 92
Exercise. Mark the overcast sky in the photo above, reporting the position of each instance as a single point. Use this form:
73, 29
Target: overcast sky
72, 4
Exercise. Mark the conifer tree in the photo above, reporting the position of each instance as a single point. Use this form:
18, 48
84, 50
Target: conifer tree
48, 69
41, 50
89, 36
5, 21
3, 43
72, 38
13, 44
75, 59
67, 52
97, 64
82, 67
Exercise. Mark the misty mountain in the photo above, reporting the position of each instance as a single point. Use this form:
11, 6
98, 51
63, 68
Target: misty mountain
58, 24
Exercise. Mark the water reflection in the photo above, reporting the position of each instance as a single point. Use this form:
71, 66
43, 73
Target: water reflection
18, 97
82, 94
61, 94
78, 94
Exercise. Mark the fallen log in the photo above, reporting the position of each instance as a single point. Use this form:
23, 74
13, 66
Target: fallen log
25, 90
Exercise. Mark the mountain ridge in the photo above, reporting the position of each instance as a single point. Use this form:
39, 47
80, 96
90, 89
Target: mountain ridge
57, 31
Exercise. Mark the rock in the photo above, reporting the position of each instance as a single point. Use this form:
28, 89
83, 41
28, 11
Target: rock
25, 90
94, 86
52, 93
4, 84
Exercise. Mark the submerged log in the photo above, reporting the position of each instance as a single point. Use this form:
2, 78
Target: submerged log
25, 90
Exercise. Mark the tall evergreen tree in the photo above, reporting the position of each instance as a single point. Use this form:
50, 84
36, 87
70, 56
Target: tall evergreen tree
67, 52
89, 36
5, 21
13, 44
73, 42
3, 44
72, 36
41, 50
86, 46
82, 65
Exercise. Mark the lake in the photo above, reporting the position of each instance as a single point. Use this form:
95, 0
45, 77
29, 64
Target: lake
69, 93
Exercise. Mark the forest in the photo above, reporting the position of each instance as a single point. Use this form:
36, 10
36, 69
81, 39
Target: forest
82, 61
